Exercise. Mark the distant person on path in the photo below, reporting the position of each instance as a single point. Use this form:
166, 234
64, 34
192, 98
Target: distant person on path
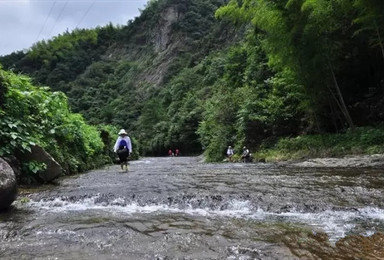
229, 153
177, 152
246, 155
170, 153
123, 148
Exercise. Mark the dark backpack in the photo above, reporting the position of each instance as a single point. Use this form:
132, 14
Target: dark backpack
123, 144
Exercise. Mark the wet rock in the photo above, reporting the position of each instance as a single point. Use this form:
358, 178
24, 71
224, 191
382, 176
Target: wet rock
286, 208
15, 165
8, 185
375, 160
53, 170
316, 245
361, 247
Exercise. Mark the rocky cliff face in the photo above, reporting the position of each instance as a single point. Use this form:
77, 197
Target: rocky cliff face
162, 34
166, 44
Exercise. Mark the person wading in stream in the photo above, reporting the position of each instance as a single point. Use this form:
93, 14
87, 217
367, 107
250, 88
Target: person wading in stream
123, 148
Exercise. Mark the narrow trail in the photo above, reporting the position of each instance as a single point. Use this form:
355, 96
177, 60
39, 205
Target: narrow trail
181, 208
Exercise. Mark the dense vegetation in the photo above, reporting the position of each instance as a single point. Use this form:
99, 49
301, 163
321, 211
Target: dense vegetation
33, 115
202, 74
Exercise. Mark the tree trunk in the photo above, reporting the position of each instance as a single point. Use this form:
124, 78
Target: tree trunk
333, 114
379, 37
343, 107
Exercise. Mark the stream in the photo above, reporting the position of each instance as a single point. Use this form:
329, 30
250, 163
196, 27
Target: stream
182, 208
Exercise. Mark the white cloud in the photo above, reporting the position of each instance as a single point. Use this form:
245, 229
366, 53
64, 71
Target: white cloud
23, 22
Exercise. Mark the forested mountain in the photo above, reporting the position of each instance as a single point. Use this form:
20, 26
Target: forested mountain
205, 74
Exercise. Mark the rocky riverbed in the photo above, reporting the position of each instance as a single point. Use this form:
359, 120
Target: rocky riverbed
182, 208
375, 160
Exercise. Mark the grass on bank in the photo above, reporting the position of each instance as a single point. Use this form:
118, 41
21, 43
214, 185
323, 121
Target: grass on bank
362, 140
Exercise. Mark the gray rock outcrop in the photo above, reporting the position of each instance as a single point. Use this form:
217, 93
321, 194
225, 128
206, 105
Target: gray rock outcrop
8, 185
163, 31
53, 170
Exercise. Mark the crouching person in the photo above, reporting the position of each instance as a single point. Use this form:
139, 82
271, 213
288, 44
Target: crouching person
246, 155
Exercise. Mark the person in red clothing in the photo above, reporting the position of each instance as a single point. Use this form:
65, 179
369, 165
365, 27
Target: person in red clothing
177, 152
170, 153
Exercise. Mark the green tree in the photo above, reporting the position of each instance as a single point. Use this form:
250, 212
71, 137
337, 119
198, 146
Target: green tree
371, 18
299, 36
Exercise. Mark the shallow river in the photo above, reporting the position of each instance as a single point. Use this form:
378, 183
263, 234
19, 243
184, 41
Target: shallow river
181, 208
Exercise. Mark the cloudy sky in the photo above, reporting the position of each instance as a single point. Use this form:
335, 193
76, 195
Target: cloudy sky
24, 22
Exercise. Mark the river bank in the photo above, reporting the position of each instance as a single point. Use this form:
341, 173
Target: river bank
374, 160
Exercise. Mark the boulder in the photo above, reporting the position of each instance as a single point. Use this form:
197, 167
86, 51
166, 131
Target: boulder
15, 165
53, 170
8, 185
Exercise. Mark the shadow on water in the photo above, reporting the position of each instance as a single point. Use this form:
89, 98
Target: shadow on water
179, 208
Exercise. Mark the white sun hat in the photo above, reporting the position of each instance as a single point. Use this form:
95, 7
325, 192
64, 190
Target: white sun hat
122, 132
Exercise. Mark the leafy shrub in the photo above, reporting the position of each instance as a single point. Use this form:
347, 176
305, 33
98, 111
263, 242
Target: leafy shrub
30, 170
34, 115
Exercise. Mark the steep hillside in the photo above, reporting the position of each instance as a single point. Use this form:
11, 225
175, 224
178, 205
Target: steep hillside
110, 73
204, 74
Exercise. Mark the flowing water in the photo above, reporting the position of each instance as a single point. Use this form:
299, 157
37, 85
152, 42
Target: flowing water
181, 208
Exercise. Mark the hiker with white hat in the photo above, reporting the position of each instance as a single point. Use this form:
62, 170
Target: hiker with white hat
230, 153
123, 147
